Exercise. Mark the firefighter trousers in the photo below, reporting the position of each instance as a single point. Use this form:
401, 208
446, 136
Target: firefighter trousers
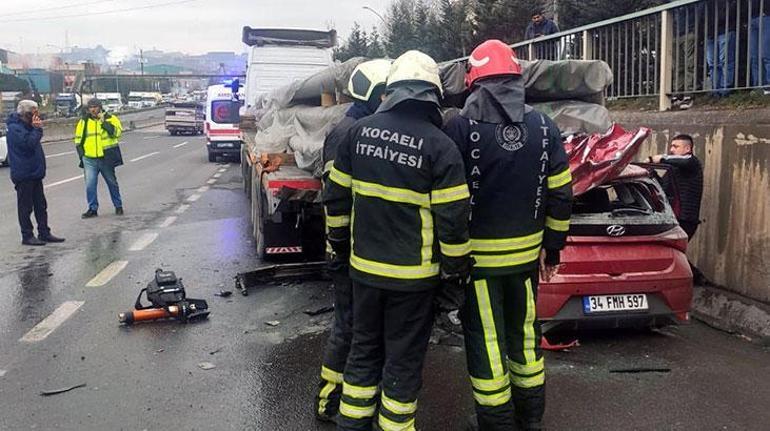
337, 346
502, 345
391, 330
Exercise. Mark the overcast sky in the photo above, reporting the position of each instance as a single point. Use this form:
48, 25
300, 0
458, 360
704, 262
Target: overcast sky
192, 26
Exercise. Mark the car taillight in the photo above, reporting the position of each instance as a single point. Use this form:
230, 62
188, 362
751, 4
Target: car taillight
676, 238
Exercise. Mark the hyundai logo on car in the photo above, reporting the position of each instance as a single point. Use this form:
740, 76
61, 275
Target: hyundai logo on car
616, 230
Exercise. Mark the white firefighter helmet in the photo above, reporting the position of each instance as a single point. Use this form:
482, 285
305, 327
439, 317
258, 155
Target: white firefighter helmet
366, 77
415, 66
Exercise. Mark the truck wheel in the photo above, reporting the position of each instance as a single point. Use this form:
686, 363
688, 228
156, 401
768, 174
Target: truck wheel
212, 157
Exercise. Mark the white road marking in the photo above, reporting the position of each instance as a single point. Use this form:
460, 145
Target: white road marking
107, 273
63, 181
168, 222
181, 145
50, 323
182, 208
217, 175
59, 154
153, 137
145, 156
211, 181
143, 241
2, 372
203, 189
193, 197
222, 170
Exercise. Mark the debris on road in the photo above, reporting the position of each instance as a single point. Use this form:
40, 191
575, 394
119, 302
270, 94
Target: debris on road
206, 366
214, 352
280, 273
272, 323
546, 345
317, 311
50, 392
224, 293
635, 370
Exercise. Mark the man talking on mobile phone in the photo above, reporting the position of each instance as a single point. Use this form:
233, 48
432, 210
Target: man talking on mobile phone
96, 140
27, 160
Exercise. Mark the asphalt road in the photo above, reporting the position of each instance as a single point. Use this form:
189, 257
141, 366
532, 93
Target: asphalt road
59, 306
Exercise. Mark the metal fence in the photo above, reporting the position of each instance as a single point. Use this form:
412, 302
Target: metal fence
682, 48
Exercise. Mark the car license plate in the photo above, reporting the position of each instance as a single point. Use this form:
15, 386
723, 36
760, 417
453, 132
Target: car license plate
226, 145
610, 303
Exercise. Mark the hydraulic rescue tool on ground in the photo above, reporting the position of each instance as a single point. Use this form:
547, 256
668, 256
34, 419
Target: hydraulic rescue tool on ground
167, 299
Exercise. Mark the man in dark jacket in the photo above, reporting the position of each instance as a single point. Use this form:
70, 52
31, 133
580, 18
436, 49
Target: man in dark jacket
400, 183
521, 203
27, 160
540, 26
688, 174
366, 86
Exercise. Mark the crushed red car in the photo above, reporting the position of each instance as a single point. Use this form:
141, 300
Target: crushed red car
624, 263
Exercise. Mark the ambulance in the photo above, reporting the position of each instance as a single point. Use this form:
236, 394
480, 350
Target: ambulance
223, 134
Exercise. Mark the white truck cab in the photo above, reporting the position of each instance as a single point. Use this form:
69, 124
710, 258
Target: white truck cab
112, 102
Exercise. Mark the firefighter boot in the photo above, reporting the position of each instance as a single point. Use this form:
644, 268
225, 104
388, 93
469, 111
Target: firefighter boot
327, 401
530, 407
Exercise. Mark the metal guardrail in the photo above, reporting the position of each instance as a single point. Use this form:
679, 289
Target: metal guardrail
682, 48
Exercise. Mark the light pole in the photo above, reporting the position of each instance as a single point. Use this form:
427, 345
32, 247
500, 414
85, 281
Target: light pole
117, 85
376, 13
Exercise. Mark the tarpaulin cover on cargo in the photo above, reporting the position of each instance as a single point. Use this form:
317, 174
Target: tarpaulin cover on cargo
571, 92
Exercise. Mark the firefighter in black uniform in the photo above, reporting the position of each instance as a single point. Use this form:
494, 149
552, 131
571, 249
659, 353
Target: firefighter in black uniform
521, 195
366, 86
401, 182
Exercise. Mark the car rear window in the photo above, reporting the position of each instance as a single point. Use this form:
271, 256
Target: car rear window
638, 204
224, 111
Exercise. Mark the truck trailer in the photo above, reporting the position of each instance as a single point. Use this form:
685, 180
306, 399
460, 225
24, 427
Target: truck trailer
286, 212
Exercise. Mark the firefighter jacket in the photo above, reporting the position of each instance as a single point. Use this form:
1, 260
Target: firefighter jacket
95, 136
397, 190
521, 194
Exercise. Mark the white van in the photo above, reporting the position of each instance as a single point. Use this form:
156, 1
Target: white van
223, 133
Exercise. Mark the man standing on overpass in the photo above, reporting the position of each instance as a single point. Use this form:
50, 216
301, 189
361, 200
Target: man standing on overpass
96, 140
540, 26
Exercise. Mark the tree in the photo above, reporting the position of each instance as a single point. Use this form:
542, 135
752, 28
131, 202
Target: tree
454, 28
375, 48
400, 29
357, 44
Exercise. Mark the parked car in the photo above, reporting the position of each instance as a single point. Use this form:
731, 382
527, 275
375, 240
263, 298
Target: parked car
624, 264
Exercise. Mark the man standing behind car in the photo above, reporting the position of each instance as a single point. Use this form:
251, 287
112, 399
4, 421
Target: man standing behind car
27, 160
96, 140
688, 173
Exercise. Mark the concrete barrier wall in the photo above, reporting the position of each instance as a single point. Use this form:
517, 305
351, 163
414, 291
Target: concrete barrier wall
732, 245
62, 129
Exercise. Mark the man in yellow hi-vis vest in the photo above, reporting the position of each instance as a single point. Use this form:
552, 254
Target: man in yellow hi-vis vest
96, 140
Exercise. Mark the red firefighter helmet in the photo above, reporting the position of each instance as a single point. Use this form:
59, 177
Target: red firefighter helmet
491, 58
